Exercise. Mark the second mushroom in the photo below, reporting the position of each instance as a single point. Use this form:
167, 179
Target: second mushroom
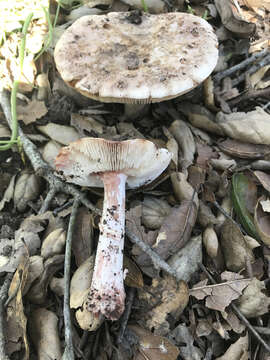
112, 164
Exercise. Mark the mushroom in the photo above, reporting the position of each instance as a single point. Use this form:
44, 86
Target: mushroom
112, 164
136, 58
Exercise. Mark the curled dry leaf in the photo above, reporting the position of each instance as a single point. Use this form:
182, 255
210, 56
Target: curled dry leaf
210, 241
184, 137
262, 221
232, 21
263, 178
134, 276
238, 350
254, 302
174, 232
153, 347
60, 133
57, 285
36, 268
165, 296
38, 292
8, 194
15, 307
83, 236
219, 296
235, 249
54, 243
244, 150
81, 282
43, 329
154, 212
182, 188
252, 126
183, 337
201, 117
206, 216
186, 261
27, 188
34, 110
11, 254
50, 151
79, 289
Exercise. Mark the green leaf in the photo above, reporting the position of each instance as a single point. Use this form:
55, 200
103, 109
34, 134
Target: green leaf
240, 190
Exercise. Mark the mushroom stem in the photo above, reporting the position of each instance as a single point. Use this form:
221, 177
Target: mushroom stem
107, 293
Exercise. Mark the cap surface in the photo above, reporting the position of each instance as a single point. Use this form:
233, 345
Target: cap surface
83, 160
133, 57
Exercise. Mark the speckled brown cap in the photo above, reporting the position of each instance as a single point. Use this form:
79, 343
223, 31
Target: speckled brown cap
134, 57
82, 161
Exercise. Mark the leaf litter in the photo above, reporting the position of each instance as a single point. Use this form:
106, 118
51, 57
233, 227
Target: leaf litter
210, 208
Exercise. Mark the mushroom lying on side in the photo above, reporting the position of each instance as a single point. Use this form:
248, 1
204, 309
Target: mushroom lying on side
112, 164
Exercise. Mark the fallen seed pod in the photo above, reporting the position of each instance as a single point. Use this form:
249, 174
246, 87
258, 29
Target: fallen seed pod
210, 241
54, 243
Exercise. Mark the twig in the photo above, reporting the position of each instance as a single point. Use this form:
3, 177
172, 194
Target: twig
262, 330
238, 312
221, 75
158, 262
3, 297
69, 350
44, 170
124, 318
265, 61
250, 94
46, 203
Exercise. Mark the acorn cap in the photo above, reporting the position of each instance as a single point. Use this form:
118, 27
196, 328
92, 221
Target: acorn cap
82, 161
134, 57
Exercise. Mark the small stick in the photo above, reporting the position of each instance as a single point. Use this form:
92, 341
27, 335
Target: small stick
238, 312
69, 349
3, 297
221, 75
265, 61
46, 203
124, 318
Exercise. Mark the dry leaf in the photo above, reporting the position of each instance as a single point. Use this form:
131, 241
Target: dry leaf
32, 111
244, 150
134, 276
43, 329
219, 296
60, 133
54, 243
15, 307
174, 233
153, 347
254, 302
263, 178
8, 195
235, 249
186, 261
154, 211
252, 126
238, 350
83, 236
232, 21
165, 296
262, 222
183, 335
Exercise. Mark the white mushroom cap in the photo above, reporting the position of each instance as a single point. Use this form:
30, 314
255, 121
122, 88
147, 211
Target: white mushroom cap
83, 160
139, 58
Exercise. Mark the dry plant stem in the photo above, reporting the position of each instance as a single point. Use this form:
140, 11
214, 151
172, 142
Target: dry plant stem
238, 312
126, 315
264, 61
46, 172
46, 203
221, 75
69, 350
3, 297
107, 293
